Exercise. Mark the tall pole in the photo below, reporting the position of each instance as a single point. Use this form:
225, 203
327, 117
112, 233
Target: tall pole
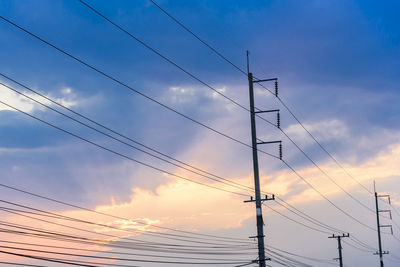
340, 251
260, 222
379, 230
339, 239
379, 226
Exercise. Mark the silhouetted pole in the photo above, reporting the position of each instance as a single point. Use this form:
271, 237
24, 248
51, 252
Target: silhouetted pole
379, 226
379, 231
260, 222
258, 200
339, 239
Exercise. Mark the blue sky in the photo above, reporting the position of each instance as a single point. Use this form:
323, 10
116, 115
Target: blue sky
337, 62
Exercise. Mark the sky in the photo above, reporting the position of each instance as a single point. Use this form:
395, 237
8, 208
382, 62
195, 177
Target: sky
339, 72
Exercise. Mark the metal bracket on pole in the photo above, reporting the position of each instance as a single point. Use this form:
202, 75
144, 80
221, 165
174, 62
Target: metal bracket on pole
273, 142
269, 80
383, 252
269, 142
390, 213
278, 115
391, 228
262, 199
265, 80
386, 196
267, 111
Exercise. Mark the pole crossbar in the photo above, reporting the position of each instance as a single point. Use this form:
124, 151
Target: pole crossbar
265, 80
267, 111
340, 248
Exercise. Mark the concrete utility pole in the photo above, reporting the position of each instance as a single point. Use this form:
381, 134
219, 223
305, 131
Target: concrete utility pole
339, 239
379, 226
258, 200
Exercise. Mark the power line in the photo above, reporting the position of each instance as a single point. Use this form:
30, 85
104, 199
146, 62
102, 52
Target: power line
68, 218
288, 259
142, 94
118, 259
161, 55
300, 223
111, 252
358, 248
113, 216
21, 264
209, 86
63, 236
73, 118
300, 256
131, 88
89, 126
57, 260
118, 153
326, 174
353, 238
305, 216
198, 38
49, 43
163, 171
280, 100
327, 199
217, 178
115, 245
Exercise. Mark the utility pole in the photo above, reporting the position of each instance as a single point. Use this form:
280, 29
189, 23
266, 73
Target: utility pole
258, 200
339, 239
379, 226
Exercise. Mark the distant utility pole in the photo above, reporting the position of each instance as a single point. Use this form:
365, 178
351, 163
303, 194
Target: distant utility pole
258, 200
379, 226
339, 240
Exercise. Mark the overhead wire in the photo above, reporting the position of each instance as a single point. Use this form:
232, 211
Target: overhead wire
212, 88
305, 216
117, 258
34, 91
112, 252
116, 217
120, 154
37, 233
47, 214
21, 264
26, 230
58, 260
47, 98
300, 223
280, 99
147, 97
131, 88
301, 256
208, 176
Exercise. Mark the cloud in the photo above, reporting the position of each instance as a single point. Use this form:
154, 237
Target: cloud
68, 98
326, 130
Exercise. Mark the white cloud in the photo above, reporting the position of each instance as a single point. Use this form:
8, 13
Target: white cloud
21, 102
327, 130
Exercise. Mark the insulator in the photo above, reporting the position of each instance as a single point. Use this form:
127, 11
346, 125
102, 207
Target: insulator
276, 89
278, 120
280, 151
